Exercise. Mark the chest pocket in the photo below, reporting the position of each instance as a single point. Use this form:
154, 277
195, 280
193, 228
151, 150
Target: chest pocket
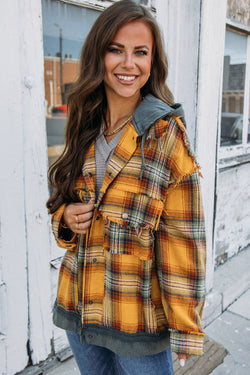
130, 222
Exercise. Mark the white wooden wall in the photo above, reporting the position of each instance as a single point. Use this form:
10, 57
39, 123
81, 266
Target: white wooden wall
25, 246
194, 37
232, 232
211, 57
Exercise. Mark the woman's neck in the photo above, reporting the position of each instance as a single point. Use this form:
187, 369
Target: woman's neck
120, 109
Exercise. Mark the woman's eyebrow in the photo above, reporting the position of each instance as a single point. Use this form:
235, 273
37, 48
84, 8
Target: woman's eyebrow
141, 47
122, 46
116, 44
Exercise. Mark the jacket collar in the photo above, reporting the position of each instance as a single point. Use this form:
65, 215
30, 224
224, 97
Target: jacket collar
151, 110
148, 112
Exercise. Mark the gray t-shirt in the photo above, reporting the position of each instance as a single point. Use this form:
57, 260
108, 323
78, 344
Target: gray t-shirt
103, 152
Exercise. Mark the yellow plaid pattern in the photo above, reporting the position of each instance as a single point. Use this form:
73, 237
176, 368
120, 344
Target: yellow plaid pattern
140, 269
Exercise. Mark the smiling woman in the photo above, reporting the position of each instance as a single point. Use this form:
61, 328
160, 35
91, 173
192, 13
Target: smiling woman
126, 206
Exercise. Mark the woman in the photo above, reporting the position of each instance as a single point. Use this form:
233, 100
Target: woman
126, 205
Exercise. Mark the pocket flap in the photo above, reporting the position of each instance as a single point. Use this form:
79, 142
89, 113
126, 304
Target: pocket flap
130, 209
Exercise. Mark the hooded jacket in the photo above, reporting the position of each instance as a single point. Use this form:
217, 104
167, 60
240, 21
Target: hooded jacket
135, 282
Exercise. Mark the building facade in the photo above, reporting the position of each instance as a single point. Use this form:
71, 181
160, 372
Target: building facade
209, 73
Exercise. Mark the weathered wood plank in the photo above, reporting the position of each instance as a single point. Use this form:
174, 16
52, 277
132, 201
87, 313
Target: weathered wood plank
180, 22
239, 11
35, 177
195, 52
211, 54
12, 236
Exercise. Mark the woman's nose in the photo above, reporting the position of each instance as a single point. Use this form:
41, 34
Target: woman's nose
128, 60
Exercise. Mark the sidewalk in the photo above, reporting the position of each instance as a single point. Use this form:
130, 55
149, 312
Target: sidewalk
226, 322
232, 328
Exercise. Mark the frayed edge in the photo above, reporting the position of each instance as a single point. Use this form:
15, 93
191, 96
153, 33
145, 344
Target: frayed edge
139, 228
196, 168
185, 138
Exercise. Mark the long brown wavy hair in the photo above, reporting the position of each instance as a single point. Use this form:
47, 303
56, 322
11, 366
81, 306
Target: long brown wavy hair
87, 100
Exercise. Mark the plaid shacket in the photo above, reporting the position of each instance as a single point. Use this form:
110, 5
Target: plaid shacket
140, 268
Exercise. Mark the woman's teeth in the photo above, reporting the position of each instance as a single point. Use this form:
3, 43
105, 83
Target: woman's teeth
126, 78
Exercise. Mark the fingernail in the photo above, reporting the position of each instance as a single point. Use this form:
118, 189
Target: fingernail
182, 362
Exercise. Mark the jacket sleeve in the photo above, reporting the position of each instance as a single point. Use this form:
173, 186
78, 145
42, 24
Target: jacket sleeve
65, 238
180, 250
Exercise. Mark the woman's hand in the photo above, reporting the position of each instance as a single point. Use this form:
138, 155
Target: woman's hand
78, 216
183, 358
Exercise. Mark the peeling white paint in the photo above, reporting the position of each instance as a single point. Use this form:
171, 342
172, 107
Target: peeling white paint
195, 52
12, 211
25, 245
35, 187
210, 74
233, 207
180, 24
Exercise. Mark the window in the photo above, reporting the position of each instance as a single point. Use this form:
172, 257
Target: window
65, 27
66, 24
235, 116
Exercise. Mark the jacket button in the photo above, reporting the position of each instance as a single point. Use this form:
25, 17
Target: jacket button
94, 260
90, 174
97, 217
90, 336
91, 302
125, 215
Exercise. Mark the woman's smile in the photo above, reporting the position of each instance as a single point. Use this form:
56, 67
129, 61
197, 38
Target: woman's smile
126, 79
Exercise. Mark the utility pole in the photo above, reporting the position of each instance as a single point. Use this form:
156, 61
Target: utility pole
61, 61
61, 68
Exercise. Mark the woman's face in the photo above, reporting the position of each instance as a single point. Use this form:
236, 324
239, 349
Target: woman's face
128, 61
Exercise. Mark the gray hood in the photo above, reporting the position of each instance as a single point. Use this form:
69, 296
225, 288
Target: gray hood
151, 110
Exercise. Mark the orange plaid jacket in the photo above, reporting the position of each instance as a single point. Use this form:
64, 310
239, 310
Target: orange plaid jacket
139, 271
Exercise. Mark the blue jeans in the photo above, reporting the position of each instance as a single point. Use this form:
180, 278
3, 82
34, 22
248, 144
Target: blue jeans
96, 360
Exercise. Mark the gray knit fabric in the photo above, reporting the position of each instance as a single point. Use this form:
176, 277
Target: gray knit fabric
103, 152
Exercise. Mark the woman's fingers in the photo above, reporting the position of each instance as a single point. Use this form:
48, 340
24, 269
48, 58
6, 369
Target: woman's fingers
84, 217
80, 208
77, 216
83, 222
82, 227
183, 358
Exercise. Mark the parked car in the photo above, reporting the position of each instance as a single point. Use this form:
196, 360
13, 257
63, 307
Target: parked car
231, 128
60, 109
55, 124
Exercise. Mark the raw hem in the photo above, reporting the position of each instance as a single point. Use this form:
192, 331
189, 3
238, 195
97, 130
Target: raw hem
121, 343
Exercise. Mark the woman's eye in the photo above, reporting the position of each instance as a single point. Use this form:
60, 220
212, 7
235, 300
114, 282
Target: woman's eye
143, 53
114, 50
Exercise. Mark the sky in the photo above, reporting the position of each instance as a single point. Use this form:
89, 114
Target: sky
236, 47
75, 23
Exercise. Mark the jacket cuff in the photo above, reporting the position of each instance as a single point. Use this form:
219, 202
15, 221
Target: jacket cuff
65, 238
186, 343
